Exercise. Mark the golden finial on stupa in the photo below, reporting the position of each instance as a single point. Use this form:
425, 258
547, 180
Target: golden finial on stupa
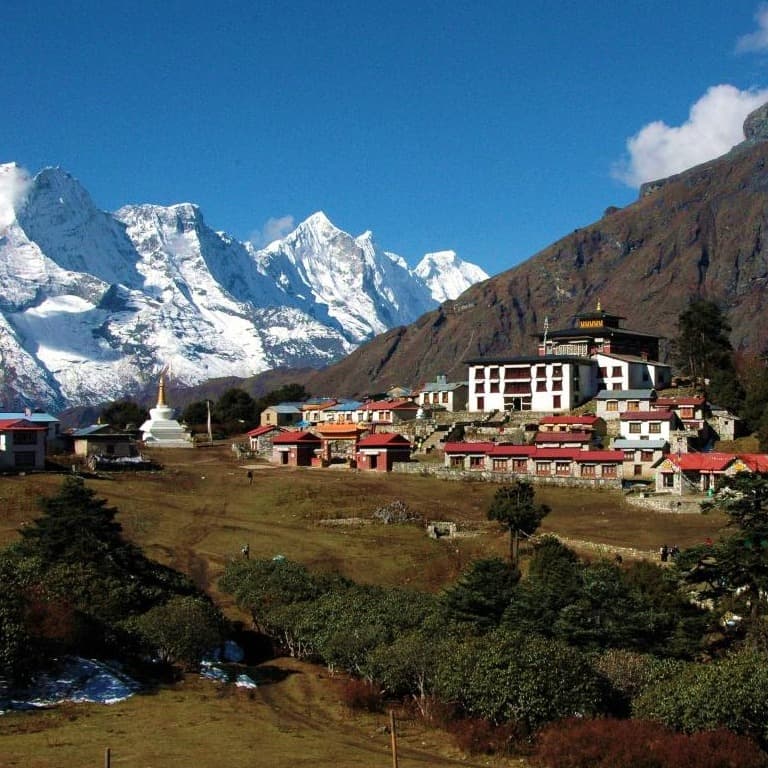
599, 308
161, 392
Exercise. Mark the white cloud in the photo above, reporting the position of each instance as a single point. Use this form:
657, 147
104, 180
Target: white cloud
14, 183
715, 124
273, 229
758, 40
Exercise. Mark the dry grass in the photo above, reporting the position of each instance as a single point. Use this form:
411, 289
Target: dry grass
197, 512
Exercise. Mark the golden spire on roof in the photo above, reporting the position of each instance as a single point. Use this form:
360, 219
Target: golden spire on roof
599, 308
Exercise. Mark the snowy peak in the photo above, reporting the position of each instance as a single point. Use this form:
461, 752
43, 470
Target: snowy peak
448, 276
93, 304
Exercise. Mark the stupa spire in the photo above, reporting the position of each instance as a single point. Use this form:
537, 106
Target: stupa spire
161, 392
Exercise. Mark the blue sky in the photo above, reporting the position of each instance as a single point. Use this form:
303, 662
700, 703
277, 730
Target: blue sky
491, 128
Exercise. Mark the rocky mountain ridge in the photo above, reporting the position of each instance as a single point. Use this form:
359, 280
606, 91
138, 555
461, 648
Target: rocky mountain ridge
700, 233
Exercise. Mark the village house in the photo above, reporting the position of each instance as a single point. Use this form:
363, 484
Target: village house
281, 415
378, 452
100, 440
610, 404
647, 425
22, 444
450, 396
691, 411
572, 365
295, 449
343, 412
582, 441
561, 465
387, 412
260, 439
313, 411
51, 423
640, 456
699, 472
577, 423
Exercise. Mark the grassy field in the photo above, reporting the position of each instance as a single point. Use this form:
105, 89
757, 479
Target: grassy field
199, 510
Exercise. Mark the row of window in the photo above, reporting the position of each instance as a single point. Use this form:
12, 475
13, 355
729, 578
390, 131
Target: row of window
541, 468
520, 371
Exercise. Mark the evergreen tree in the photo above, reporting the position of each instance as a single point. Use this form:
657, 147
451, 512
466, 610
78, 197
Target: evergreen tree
702, 347
124, 413
513, 506
76, 526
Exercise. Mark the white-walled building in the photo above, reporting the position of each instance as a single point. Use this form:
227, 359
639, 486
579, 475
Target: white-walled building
610, 404
544, 384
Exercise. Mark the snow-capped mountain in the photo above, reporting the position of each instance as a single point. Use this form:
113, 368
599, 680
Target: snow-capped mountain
93, 304
446, 275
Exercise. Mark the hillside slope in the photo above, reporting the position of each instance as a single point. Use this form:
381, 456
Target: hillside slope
699, 233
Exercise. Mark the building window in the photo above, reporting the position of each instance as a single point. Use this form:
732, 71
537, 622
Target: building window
603, 372
616, 370
24, 459
480, 403
587, 470
499, 465
616, 387
493, 373
655, 427
445, 397
556, 403
557, 386
457, 462
520, 465
476, 462
562, 467
646, 456
634, 427
633, 405
638, 469
609, 470
686, 413
493, 386
543, 468
479, 386
667, 480
24, 438
612, 405
557, 371
541, 386
629, 455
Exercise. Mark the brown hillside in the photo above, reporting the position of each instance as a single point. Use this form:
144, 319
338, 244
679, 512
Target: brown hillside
700, 233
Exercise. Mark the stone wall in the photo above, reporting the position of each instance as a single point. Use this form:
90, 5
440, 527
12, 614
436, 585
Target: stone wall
666, 503
447, 473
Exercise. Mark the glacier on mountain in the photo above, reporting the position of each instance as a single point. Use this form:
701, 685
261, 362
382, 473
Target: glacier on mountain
93, 304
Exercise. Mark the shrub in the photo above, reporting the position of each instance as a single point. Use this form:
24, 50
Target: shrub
611, 743
361, 694
477, 736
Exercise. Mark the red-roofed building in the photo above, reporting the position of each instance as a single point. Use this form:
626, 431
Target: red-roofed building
699, 472
691, 411
260, 439
378, 452
585, 423
535, 463
22, 444
295, 449
387, 411
579, 440
647, 425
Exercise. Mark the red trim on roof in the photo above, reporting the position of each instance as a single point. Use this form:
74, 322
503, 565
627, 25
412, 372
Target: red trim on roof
390, 405
707, 462
511, 450
291, 438
672, 401
259, 431
18, 425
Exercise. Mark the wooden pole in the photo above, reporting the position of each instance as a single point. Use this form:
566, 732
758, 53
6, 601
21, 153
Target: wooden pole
107, 758
393, 736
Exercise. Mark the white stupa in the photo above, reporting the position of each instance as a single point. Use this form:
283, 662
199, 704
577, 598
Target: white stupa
161, 430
